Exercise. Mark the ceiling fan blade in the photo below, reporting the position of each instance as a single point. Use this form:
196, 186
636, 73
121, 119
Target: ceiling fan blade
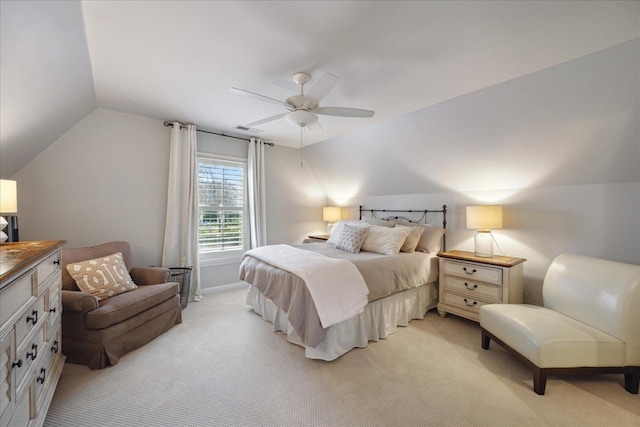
267, 120
322, 87
343, 112
259, 97
314, 127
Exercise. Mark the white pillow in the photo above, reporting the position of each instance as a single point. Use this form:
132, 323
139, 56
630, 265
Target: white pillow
412, 240
376, 221
385, 240
351, 238
430, 239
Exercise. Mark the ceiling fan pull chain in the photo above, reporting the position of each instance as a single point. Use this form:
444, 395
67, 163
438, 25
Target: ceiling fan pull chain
301, 147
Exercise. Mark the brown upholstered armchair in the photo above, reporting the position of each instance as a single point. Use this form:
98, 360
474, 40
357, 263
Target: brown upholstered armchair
96, 332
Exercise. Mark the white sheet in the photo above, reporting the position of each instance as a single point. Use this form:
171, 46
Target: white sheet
325, 278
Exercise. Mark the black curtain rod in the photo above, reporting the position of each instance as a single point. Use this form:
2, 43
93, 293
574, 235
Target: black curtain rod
170, 125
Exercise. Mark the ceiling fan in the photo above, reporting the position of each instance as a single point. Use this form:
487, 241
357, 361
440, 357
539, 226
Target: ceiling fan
303, 109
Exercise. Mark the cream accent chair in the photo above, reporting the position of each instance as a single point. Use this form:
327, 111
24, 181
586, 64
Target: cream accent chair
590, 322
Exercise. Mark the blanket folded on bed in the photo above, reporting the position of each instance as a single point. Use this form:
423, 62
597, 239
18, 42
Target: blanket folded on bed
336, 286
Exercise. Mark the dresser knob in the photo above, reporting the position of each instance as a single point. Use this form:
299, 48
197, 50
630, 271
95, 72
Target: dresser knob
52, 310
472, 288
56, 262
465, 270
55, 346
17, 364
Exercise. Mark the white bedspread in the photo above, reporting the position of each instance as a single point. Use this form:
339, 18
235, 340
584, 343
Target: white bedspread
336, 286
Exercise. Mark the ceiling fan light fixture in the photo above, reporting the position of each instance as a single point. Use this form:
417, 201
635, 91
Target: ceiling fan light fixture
301, 118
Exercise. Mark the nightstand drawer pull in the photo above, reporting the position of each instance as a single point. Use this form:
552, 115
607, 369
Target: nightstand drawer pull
470, 305
17, 364
472, 271
471, 288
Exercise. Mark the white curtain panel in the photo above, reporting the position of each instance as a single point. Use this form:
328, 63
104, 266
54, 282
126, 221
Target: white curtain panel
257, 198
181, 229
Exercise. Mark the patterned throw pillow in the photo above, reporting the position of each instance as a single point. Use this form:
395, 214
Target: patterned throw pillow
103, 277
351, 238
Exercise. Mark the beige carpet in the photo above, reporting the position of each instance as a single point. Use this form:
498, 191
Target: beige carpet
223, 366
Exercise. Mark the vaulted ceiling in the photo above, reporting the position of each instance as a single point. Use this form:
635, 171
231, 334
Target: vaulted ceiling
177, 60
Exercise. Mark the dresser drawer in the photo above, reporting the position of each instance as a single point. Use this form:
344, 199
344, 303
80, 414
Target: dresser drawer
29, 353
14, 297
465, 302
30, 319
51, 265
473, 271
54, 305
479, 289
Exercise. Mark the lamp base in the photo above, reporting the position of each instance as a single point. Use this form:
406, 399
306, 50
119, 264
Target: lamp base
330, 227
484, 244
11, 229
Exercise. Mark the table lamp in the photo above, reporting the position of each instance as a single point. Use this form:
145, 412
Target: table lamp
484, 219
331, 214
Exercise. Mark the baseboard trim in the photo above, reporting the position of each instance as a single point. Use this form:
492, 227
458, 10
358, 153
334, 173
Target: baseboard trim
222, 288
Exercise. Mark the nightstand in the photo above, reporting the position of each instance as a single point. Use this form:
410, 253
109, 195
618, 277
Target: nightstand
318, 238
468, 282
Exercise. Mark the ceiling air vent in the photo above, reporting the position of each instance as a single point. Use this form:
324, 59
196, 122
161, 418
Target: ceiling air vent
247, 129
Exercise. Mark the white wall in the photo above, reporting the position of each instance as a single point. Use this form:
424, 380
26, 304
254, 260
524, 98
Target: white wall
106, 179
559, 149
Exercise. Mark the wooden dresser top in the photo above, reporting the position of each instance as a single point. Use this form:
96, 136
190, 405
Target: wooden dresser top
16, 256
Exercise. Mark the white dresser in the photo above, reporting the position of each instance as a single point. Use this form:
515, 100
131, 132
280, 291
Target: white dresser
31, 358
468, 282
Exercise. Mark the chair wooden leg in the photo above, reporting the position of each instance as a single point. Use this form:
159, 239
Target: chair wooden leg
632, 381
539, 380
485, 340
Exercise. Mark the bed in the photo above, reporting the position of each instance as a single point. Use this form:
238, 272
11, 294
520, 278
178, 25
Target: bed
368, 293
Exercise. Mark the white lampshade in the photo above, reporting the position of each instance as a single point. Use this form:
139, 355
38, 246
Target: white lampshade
484, 217
8, 197
331, 213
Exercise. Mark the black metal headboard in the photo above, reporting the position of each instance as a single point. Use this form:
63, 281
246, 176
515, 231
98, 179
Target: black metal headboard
424, 213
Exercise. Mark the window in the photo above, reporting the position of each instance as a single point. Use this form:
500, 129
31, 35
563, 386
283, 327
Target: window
221, 224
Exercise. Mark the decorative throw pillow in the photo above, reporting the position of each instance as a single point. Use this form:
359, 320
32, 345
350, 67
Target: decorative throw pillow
335, 234
385, 240
103, 277
430, 239
412, 240
351, 238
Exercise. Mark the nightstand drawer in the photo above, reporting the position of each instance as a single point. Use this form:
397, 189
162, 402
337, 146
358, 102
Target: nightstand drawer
465, 302
479, 289
477, 272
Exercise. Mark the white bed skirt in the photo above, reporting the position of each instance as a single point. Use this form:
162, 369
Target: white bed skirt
379, 319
